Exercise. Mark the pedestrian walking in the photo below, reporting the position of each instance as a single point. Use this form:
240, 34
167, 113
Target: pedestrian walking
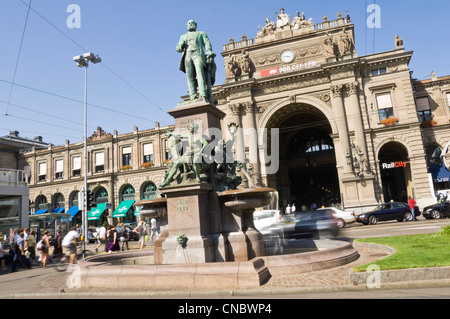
412, 204
102, 238
141, 230
43, 247
153, 229
124, 237
288, 209
32, 246
58, 249
293, 209
2, 253
19, 255
113, 240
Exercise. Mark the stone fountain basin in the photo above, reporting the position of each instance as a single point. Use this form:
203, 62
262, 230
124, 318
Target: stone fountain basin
113, 271
243, 199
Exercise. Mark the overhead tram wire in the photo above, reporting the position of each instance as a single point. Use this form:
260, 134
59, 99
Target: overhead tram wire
46, 123
79, 101
18, 56
103, 64
43, 113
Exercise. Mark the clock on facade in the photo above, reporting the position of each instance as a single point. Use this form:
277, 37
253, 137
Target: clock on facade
287, 56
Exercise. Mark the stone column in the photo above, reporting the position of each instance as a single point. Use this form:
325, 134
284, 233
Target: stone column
338, 106
240, 148
251, 136
355, 116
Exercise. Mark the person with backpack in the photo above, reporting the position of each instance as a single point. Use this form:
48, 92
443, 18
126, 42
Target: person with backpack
141, 230
43, 246
124, 237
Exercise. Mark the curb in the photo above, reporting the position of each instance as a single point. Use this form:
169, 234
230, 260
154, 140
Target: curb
216, 294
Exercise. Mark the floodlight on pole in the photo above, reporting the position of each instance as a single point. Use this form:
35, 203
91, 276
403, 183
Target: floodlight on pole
83, 61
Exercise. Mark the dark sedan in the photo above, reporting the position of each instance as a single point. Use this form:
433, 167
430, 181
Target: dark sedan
436, 211
314, 224
388, 211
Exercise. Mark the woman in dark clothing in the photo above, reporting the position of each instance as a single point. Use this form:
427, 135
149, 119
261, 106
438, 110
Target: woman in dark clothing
58, 246
113, 240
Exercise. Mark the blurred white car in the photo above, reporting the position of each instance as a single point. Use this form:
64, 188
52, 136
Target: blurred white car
343, 217
266, 218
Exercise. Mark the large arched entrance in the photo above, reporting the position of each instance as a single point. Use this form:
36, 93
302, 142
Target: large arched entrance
308, 170
395, 172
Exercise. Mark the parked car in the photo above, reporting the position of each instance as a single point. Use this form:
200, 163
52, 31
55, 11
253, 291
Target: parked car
266, 218
313, 224
92, 234
439, 210
131, 234
343, 217
388, 211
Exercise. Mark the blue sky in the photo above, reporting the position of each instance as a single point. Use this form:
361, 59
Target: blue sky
138, 80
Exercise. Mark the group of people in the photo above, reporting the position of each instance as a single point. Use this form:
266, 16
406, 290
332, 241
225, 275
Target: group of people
24, 249
110, 237
24, 246
291, 209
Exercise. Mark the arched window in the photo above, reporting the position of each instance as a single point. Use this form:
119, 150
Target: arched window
309, 142
149, 191
73, 199
58, 201
41, 202
127, 193
433, 153
101, 196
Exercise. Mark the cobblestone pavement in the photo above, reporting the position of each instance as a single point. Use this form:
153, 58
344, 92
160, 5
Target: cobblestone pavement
49, 281
337, 276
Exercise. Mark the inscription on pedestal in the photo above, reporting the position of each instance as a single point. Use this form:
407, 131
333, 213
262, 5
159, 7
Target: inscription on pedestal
182, 205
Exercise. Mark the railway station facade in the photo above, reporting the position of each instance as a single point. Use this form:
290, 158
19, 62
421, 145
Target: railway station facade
351, 130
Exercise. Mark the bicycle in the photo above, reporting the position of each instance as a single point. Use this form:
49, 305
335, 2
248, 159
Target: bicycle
64, 261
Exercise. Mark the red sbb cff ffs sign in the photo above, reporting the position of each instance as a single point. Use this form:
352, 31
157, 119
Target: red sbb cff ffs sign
269, 72
393, 165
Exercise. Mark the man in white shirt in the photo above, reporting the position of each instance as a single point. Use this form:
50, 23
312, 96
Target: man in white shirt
69, 243
101, 237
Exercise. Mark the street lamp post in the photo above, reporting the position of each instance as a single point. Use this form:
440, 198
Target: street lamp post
83, 61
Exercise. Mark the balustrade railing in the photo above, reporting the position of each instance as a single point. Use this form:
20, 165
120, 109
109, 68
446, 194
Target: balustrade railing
13, 178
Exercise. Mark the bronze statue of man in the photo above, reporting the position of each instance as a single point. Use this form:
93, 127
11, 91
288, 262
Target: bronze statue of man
197, 62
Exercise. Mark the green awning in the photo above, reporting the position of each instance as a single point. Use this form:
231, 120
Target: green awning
123, 208
96, 212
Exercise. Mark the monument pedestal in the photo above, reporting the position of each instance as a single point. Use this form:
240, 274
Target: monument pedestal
189, 214
202, 113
